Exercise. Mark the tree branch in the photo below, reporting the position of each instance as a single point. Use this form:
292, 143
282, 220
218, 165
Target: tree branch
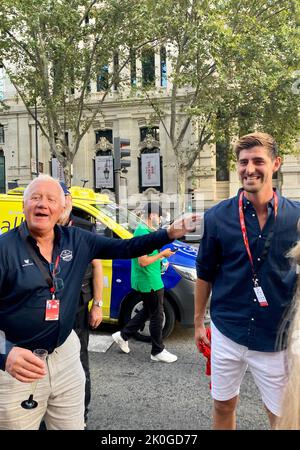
20, 45
263, 10
24, 100
182, 133
158, 112
84, 16
201, 140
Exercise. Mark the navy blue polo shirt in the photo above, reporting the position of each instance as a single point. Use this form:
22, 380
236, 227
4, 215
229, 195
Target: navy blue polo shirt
223, 260
24, 289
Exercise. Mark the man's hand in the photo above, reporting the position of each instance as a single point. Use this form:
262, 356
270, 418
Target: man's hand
167, 252
184, 225
200, 335
23, 365
95, 317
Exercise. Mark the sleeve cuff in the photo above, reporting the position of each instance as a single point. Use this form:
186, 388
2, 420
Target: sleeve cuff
204, 275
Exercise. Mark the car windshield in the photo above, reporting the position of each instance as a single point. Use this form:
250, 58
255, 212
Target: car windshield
122, 216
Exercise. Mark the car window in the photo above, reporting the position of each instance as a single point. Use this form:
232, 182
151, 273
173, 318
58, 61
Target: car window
104, 230
100, 227
122, 216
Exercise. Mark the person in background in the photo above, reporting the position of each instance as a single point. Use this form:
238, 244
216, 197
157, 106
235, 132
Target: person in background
290, 410
146, 280
242, 262
41, 270
91, 288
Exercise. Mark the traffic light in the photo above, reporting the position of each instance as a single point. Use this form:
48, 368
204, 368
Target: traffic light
121, 150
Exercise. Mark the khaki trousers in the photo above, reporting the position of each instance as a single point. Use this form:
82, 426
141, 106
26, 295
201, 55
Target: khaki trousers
60, 394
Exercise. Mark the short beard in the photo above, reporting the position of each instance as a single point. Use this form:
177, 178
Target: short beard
251, 190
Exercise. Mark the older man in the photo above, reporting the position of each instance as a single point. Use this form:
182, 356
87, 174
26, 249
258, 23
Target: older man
41, 271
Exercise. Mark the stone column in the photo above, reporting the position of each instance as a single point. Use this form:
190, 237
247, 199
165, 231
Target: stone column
206, 175
290, 171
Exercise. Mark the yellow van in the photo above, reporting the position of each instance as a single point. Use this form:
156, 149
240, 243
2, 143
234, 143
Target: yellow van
120, 302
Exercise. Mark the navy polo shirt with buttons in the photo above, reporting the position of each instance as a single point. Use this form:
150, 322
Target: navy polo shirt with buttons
24, 289
223, 261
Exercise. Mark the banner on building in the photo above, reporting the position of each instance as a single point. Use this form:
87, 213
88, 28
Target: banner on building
57, 170
104, 168
150, 169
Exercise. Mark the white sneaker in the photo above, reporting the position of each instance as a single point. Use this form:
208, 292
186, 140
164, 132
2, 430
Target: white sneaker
121, 342
164, 356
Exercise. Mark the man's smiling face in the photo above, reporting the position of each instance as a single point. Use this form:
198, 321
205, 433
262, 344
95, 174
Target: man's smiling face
43, 206
256, 168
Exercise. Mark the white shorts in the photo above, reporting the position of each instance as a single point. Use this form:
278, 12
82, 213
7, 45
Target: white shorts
229, 362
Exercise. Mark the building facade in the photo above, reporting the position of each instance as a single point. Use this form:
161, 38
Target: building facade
153, 168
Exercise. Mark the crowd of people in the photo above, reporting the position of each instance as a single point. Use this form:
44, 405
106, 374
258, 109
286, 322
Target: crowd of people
247, 263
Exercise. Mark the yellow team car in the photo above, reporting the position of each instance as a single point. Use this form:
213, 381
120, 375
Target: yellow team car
120, 302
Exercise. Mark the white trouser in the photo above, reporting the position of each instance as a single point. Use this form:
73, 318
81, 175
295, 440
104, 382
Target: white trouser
60, 394
229, 362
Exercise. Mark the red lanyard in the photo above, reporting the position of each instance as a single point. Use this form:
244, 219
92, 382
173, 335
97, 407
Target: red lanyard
52, 288
244, 230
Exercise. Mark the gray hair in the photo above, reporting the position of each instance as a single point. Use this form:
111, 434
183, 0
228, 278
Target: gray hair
43, 177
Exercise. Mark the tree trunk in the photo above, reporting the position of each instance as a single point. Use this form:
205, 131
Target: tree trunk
181, 187
68, 173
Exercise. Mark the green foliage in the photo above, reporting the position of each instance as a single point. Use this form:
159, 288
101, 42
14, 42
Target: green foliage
238, 58
53, 49
233, 65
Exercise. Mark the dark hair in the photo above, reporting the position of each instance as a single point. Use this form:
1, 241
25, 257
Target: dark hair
257, 139
151, 207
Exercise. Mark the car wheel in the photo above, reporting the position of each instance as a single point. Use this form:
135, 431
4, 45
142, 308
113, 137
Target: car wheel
136, 304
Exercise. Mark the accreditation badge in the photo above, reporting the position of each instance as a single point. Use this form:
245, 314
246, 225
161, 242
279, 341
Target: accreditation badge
52, 309
260, 296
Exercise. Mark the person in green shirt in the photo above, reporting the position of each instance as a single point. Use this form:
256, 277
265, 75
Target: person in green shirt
146, 280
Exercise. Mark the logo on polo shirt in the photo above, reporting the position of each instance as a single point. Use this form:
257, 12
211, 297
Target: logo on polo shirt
27, 262
66, 255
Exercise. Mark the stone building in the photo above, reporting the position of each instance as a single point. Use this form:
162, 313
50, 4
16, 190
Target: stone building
153, 169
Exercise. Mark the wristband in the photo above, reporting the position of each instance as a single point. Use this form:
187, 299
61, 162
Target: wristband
97, 303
